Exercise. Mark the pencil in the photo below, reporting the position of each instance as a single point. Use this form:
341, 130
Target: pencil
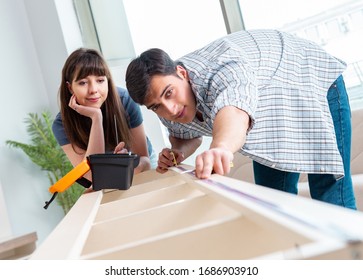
174, 159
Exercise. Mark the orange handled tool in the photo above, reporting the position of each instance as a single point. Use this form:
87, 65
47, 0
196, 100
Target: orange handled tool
72, 176
65, 182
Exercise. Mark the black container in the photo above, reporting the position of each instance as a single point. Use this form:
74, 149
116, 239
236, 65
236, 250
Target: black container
112, 171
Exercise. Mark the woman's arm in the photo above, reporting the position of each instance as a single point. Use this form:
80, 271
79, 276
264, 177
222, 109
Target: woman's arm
96, 143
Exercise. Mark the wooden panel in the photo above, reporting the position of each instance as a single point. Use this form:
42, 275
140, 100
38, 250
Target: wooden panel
144, 201
230, 238
176, 216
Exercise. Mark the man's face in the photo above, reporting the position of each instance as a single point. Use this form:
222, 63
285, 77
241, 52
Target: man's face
171, 97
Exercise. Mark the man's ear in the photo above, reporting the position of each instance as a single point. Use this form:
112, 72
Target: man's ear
182, 72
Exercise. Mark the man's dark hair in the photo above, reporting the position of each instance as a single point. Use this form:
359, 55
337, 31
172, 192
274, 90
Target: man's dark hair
141, 69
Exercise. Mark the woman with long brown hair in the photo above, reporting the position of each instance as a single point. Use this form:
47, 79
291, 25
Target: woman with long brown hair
96, 116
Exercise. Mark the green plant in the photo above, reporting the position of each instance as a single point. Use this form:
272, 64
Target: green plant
45, 152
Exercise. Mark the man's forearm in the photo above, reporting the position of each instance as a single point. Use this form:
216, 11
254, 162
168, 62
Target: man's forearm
186, 146
229, 129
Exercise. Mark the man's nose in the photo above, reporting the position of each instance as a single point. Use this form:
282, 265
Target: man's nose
170, 108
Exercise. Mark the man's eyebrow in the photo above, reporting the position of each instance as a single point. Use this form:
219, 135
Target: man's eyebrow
161, 95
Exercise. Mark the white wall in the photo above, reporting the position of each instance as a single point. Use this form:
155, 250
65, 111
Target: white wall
34, 45
5, 227
32, 54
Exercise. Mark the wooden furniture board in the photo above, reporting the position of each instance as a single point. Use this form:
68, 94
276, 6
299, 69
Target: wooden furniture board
177, 216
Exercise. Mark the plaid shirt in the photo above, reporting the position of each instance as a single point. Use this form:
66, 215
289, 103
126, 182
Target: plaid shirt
281, 81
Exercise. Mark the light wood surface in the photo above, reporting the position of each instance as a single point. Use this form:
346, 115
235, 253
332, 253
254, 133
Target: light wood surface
176, 216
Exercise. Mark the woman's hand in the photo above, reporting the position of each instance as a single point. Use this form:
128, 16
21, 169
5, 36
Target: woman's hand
167, 158
87, 111
120, 149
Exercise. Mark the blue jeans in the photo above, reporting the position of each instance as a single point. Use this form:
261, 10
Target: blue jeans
323, 187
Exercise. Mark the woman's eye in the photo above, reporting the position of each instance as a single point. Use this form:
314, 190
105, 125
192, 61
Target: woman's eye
101, 80
81, 83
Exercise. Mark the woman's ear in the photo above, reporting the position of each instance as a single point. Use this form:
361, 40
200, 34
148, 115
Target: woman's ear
69, 87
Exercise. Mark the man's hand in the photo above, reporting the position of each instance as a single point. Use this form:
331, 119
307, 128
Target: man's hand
229, 134
215, 160
167, 158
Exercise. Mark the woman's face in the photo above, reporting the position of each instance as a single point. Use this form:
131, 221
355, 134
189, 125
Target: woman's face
171, 97
90, 91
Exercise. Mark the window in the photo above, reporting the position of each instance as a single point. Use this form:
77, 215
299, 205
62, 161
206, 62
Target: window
333, 27
336, 25
356, 18
122, 29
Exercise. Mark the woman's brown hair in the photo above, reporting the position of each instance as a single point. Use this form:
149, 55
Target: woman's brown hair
80, 64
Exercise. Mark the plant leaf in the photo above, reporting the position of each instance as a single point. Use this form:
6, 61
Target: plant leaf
45, 152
